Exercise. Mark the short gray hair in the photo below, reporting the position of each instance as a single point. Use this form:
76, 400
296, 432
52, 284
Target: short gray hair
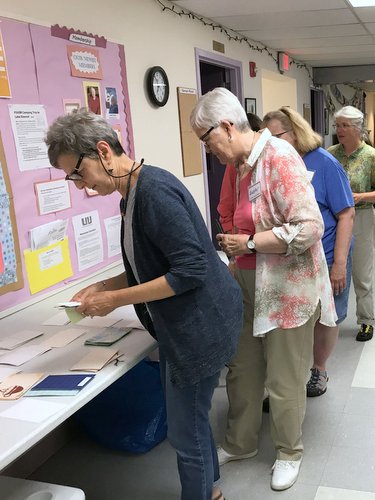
218, 105
79, 133
354, 115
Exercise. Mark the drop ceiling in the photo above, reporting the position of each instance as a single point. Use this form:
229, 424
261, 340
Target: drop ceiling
317, 32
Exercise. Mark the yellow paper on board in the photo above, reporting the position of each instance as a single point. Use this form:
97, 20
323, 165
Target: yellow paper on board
47, 266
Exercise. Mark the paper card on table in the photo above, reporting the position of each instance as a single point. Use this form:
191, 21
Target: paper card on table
98, 321
23, 354
130, 320
96, 359
14, 386
58, 319
32, 410
18, 338
5, 371
63, 338
48, 266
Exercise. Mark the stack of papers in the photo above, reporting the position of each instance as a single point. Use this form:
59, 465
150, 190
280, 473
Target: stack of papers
60, 385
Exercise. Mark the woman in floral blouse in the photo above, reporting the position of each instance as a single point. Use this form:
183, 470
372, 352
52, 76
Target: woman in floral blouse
358, 160
284, 279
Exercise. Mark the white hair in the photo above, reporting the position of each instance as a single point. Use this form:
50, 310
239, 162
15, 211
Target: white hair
217, 105
354, 115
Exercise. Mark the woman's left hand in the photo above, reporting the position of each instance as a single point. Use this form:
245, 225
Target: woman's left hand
358, 197
233, 244
338, 278
97, 304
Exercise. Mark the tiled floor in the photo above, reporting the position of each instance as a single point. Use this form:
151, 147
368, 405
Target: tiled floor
339, 439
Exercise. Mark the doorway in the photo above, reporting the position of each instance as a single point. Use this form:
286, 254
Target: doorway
215, 71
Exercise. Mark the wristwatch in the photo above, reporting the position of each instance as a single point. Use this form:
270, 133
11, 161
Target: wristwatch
251, 244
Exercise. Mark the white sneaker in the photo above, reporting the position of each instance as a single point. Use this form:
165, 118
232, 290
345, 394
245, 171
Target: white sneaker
284, 474
225, 457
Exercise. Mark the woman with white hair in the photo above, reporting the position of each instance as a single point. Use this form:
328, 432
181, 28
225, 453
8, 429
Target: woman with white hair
284, 279
358, 160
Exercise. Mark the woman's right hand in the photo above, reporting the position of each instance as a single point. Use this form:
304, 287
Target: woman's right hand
86, 292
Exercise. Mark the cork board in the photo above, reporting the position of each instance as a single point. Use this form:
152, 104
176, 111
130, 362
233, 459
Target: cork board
190, 144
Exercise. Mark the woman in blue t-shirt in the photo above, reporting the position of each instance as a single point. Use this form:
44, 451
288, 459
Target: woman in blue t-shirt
335, 200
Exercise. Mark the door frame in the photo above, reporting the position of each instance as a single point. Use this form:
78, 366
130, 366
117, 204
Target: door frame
235, 69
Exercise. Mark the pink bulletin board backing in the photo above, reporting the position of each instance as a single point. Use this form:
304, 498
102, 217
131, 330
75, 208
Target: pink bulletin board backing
39, 73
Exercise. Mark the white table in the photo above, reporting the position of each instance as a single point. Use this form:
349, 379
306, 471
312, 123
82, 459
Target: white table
18, 436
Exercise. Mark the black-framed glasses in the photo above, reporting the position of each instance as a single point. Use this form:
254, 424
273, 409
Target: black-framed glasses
75, 176
280, 134
206, 134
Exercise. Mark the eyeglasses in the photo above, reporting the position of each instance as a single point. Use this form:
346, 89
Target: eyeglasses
206, 134
75, 176
281, 133
344, 126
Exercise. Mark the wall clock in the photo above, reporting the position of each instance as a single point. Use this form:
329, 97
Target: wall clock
157, 86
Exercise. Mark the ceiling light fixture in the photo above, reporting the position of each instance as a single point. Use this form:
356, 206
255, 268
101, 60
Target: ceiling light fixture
362, 3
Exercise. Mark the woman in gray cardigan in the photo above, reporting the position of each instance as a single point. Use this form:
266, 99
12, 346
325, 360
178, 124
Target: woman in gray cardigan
183, 294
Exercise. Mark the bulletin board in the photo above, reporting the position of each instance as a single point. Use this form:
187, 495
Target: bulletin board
39, 72
190, 144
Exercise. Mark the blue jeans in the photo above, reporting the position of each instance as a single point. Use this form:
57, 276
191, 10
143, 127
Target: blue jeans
189, 432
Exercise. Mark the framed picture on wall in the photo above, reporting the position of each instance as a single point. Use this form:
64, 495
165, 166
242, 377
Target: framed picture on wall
251, 105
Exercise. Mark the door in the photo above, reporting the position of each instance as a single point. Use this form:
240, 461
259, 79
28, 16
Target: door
213, 76
213, 71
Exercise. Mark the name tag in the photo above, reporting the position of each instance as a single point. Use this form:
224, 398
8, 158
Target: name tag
254, 191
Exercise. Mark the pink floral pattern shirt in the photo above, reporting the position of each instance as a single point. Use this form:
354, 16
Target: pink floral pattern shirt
288, 286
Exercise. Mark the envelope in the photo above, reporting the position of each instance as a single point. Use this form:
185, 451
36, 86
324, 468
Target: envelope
96, 359
14, 386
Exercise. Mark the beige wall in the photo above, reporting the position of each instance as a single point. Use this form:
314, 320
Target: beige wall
278, 90
152, 37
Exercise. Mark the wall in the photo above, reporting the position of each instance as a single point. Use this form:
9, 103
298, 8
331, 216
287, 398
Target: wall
285, 95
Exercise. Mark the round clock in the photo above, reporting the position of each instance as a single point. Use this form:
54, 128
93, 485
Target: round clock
158, 85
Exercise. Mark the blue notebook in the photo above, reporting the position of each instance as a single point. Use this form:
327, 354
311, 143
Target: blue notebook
60, 385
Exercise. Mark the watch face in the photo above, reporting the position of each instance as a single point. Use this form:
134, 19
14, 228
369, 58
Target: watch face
158, 86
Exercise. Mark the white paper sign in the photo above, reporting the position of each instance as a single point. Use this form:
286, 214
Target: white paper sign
29, 125
52, 196
113, 230
50, 258
48, 234
88, 237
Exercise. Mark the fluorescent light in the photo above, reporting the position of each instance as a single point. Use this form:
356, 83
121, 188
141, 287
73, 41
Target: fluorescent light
362, 3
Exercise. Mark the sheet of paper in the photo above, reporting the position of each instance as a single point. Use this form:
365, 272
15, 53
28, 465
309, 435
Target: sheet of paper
98, 321
32, 410
58, 319
48, 266
48, 234
4, 80
23, 354
5, 371
52, 196
130, 319
63, 337
29, 126
14, 386
113, 230
96, 359
88, 238
18, 338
